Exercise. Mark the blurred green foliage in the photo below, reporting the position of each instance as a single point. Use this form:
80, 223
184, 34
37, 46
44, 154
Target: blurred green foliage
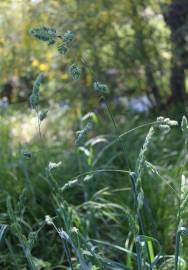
119, 42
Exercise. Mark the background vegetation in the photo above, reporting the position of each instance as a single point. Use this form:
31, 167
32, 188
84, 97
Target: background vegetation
139, 49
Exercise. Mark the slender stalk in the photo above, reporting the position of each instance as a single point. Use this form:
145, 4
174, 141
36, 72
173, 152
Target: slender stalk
29, 258
68, 255
100, 170
138, 257
116, 129
39, 124
177, 250
44, 153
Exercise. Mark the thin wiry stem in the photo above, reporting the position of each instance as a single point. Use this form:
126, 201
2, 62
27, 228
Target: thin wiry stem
116, 129
75, 180
101, 170
39, 124
138, 127
177, 251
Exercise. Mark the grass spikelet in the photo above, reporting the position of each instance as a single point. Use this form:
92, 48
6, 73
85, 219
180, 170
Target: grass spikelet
34, 98
37, 84
43, 115
68, 38
62, 49
70, 184
34, 101
140, 199
100, 88
163, 122
82, 133
3, 228
44, 33
54, 165
48, 220
75, 72
184, 125
165, 128
133, 225
141, 157
184, 193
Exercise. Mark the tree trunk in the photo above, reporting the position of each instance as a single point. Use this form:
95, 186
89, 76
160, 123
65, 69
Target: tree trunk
175, 18
140, 39
178, 82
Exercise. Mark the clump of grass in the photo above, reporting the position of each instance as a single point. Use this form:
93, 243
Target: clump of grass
26, 243
74, 221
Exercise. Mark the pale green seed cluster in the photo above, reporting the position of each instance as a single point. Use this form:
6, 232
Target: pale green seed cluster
48, 220
43, 115
184, 125
141, 157
139, 170
27, 154
34, 98
62, 49
184, 194
75, 71
68, 38
49, 35
53, 165
82, 133
165, 124
100, 87
44, 33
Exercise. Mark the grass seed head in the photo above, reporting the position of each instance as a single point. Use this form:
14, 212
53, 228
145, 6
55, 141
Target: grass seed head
165, 128
82, 133
43, 115
48, 220
34, 98
44, 33
62, 49
27, 154
184, 125
75, 72
100, 88
68, 37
